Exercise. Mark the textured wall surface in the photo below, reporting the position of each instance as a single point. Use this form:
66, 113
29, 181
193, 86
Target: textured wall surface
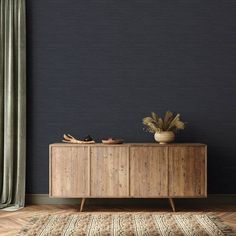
99, 67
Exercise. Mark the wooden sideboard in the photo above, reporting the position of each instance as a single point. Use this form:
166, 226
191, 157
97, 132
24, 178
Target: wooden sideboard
132, 170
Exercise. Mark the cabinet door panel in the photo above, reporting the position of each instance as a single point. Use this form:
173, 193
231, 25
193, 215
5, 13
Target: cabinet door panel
109, 171
69, 172
187, 171
148, 171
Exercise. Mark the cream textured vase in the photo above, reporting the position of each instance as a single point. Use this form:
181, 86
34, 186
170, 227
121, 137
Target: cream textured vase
164, 137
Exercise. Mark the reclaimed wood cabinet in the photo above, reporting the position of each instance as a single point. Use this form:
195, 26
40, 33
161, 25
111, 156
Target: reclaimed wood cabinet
142, 170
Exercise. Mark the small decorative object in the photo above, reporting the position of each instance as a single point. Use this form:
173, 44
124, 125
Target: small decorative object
70, 139
88, 138
113, 141
164, 129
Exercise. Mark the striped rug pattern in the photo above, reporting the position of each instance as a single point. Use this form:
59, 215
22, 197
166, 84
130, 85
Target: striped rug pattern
125, 224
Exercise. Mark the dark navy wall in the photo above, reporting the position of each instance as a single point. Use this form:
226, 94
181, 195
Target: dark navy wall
98, 67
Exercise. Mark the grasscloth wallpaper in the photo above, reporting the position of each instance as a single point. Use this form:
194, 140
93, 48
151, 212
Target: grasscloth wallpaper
98, 67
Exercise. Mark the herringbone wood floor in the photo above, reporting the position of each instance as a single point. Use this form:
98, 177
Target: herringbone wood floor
11, 222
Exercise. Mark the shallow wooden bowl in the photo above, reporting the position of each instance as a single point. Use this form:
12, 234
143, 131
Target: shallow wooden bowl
113, 141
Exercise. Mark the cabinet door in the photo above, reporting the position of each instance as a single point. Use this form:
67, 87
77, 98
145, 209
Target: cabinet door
109, 171
187, 171
148, 172
69, 171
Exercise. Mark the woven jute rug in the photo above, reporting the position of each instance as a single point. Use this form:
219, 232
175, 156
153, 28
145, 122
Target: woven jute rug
126, 224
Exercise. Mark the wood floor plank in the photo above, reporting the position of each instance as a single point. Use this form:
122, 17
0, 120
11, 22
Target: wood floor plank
12, 222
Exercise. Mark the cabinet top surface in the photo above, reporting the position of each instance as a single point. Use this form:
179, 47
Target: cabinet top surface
129, 144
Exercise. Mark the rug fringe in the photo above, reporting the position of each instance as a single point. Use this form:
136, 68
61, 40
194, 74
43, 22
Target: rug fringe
226, 229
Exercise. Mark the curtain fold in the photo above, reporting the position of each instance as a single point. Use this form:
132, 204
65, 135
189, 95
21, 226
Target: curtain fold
12, 103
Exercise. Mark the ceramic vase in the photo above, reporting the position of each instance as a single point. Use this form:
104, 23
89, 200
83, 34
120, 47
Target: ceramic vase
164, 137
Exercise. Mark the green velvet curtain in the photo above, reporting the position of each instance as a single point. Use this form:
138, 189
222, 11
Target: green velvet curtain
12, 103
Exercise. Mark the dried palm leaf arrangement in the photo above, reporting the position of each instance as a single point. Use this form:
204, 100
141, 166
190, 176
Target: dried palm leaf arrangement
70, 139
164, 128
170, 122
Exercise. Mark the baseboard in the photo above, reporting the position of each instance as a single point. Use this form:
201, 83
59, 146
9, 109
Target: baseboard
44, 199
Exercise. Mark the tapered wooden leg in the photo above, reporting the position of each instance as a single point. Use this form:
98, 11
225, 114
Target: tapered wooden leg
82, 204
172, 204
